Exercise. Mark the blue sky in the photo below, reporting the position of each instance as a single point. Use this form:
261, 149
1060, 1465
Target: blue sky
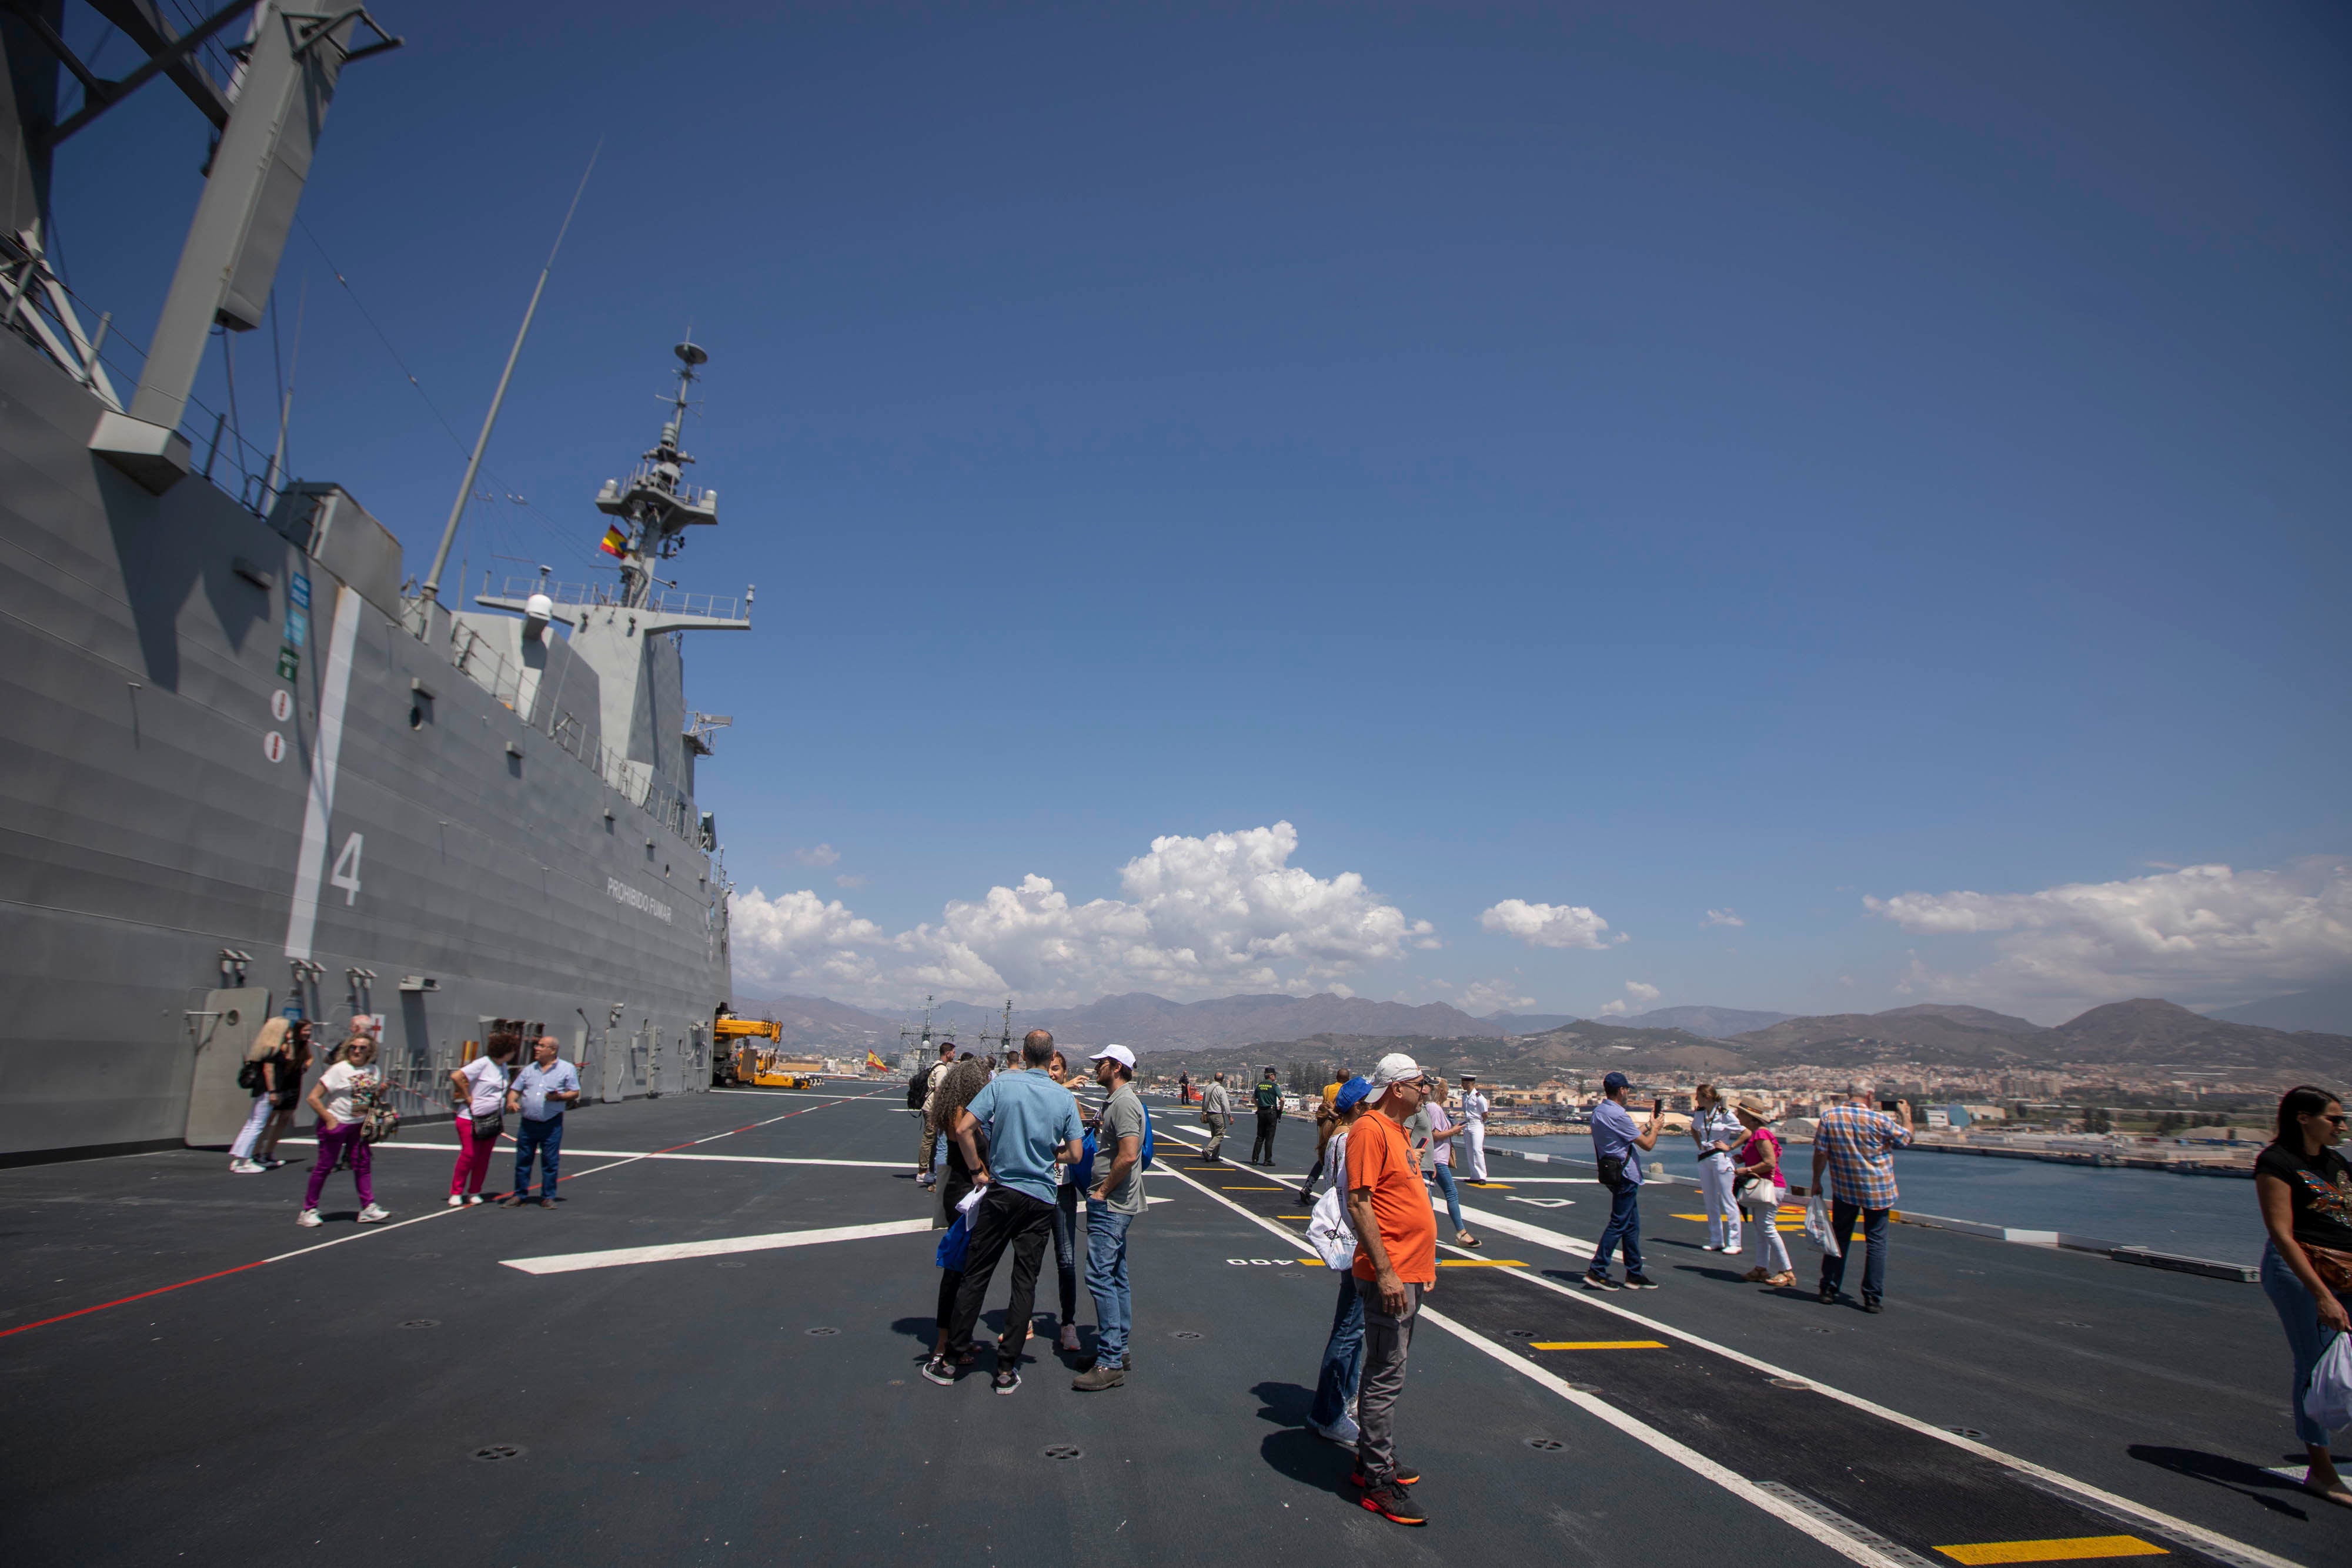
1645, 461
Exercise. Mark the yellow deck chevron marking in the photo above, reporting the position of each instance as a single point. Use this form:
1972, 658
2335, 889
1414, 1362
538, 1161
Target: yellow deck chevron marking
2072, 1549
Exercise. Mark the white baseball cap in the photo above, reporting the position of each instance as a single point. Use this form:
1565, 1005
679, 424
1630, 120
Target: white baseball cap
1396, 1067
1118, 1054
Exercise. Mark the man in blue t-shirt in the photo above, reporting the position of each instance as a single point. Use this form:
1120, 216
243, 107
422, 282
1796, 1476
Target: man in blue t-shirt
1028, 1124
1617, 1149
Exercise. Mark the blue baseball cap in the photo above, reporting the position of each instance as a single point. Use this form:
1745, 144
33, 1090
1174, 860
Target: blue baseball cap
1352, 1093
1615, 1082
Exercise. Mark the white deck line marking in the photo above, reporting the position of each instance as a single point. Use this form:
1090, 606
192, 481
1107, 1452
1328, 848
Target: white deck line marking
363, 1231
802, 1095
318, 810
1690, 1458
622, 1257
2108, 1501
640, 1154
1640, 1431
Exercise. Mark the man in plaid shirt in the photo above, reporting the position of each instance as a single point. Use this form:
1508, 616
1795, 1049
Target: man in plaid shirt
1852, 1143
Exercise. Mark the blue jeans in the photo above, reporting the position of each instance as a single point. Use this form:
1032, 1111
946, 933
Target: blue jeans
1445, 1175
2299, 1315
1873, 1234
547, 1137
1343, 1358
1625, 1226
1107, 1283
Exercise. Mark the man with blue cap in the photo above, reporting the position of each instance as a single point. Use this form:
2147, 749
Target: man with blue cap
1343, 1353
1617, 1148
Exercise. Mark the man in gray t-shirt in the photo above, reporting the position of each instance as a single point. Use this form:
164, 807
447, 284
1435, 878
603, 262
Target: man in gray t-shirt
1216, 1114
1112, 1204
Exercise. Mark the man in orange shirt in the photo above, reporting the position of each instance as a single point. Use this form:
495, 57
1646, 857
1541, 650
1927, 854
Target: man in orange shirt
1396, 1262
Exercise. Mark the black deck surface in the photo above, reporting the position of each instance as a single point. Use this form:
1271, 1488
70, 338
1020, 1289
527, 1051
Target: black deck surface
682, 1411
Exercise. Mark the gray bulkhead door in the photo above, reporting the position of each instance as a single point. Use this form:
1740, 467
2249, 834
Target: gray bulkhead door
219, 1033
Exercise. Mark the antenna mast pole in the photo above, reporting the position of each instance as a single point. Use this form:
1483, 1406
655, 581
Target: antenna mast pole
432, 589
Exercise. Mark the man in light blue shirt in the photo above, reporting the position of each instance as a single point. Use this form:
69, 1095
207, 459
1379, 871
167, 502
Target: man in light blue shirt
1029, 1123
540, 1091
1617, 1148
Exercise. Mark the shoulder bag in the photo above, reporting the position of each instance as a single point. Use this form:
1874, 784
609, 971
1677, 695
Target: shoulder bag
1328, 1230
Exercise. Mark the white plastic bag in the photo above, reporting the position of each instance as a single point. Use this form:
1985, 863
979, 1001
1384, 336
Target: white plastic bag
2329, 1400
1817, 1223
1328, 1230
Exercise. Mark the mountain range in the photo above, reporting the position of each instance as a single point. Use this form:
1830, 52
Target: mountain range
1240, 1033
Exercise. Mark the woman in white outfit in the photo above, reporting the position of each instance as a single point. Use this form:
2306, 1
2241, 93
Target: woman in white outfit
1716, 1131
1758, 1163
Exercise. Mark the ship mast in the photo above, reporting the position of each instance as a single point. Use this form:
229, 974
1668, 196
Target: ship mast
654, 507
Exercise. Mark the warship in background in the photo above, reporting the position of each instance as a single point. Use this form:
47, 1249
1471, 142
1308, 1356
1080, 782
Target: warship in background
249, 769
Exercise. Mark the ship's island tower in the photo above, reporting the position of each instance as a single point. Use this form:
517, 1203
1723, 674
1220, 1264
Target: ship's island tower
627, 634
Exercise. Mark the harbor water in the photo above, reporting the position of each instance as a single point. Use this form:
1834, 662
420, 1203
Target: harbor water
2199, 1215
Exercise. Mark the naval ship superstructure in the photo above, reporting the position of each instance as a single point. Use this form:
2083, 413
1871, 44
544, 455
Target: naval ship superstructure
247, 767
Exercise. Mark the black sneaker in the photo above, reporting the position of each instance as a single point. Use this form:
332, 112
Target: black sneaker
1639, 1283
1829, 1295
1405, 1476
937, 1370
1392, 1503
1600, 1283
1006, 1381
1873, 1304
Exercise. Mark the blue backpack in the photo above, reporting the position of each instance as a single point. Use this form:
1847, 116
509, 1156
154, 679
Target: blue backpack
1083, 1173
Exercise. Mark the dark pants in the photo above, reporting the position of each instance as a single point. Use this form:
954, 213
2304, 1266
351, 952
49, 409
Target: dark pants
1874, 1232
1387, 1340
1625, 1226
1065, 1249
1343, 1356
1262, 1151
547, 1137
1004, 1219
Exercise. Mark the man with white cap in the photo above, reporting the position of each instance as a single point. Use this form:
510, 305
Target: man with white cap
1396, 1262
1113, 1201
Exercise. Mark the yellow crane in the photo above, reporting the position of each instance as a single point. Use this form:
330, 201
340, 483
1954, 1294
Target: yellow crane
746, 1061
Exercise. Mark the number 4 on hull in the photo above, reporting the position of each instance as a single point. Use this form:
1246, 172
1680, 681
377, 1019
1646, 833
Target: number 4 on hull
346, 875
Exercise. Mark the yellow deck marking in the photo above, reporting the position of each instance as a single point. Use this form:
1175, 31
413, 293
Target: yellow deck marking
1700, 1218
1599, 1344
1488, 1186
1294, 1216
2074, 1548
1480, 1263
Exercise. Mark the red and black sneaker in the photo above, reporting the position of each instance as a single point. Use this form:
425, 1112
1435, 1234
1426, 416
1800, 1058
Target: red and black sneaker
1405, 1476
1393, 1504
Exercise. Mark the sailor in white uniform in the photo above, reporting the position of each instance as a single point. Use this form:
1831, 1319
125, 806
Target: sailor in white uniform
1716, 1131
1473, 1156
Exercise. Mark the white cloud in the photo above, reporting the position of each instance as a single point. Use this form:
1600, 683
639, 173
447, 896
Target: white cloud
1723, 917
1204, 915
1480, 997
2201, 931
823, 854
1549, 925
1636, 995
849, 879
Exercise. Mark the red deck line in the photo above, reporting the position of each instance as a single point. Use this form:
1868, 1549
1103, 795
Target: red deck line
241, 1268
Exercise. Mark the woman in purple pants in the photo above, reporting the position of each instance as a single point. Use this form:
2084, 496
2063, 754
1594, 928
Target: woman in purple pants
338, 1097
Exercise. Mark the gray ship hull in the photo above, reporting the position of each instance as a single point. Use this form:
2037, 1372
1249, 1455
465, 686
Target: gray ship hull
433, 835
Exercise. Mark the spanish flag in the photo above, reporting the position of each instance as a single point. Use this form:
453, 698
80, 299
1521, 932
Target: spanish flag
615, 542
876, 1064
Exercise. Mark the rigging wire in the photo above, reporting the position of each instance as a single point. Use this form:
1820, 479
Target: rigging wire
557, 533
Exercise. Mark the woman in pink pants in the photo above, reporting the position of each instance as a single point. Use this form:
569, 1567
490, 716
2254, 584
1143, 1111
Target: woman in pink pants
479, 1092
338, 1099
